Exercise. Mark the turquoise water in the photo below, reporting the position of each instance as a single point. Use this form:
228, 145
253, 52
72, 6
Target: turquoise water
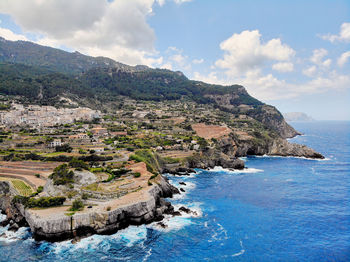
280, 209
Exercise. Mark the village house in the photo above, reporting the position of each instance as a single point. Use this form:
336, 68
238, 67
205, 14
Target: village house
99, 131
55, 142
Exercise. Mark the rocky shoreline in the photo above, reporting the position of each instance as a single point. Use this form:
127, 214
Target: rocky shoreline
147, 209
80, 225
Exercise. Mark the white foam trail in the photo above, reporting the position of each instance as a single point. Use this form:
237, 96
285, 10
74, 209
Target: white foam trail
240, 252
220, 234
236, 171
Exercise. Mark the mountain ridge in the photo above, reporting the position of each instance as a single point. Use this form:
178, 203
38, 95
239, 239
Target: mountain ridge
54, 73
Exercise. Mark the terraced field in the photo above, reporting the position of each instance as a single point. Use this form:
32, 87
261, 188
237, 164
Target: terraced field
22, 188
33, 173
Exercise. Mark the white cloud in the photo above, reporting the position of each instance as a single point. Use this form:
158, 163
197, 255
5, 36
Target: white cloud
161, 2
197, 61
310, 71
343, 59
117, 29
243, 63
174, 59
318, 55
268, 87
283, 67
245, 52
344, 34
211, 78
179, 2
9, 35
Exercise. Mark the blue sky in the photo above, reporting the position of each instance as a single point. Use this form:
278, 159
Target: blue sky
291, 54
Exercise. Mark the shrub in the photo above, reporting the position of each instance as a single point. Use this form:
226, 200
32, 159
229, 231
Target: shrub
85, 196
37, 175
137, 174
109, 208
64, 148
40, 189
77, 163
77, 205
62, 175
148, 158
39, 202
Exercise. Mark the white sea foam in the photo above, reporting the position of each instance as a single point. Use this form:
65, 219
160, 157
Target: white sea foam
240, 252
132, 235
11, 236
236, 171
188, 187
2, 217
195, 207
172, 223
148, 254
128, 237
219, 234
175, 223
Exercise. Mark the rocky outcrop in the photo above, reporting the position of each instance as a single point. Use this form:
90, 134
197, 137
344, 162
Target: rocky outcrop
82, 224
282, 147
211, 158
277, 147
13, 212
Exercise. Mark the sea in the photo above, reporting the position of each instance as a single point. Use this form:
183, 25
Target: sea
278, 209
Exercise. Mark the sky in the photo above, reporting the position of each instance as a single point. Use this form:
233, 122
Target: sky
294, 55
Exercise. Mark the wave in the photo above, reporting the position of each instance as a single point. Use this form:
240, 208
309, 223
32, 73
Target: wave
176, 223
219, 234
188, 187
240, 252
235, 171
2, 217
12, 236
149, 253
171, 223
128, 237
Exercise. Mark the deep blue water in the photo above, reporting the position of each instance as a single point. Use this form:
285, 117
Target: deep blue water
281, 209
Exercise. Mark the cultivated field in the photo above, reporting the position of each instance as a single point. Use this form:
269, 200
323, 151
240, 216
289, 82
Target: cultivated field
211, 131
33, 173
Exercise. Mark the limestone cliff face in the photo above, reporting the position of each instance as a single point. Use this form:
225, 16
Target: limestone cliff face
272, 118
82, 224
14, 215
266, 114
277, 147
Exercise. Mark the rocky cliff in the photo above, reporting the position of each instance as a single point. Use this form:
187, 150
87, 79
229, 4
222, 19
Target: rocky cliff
60, 227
